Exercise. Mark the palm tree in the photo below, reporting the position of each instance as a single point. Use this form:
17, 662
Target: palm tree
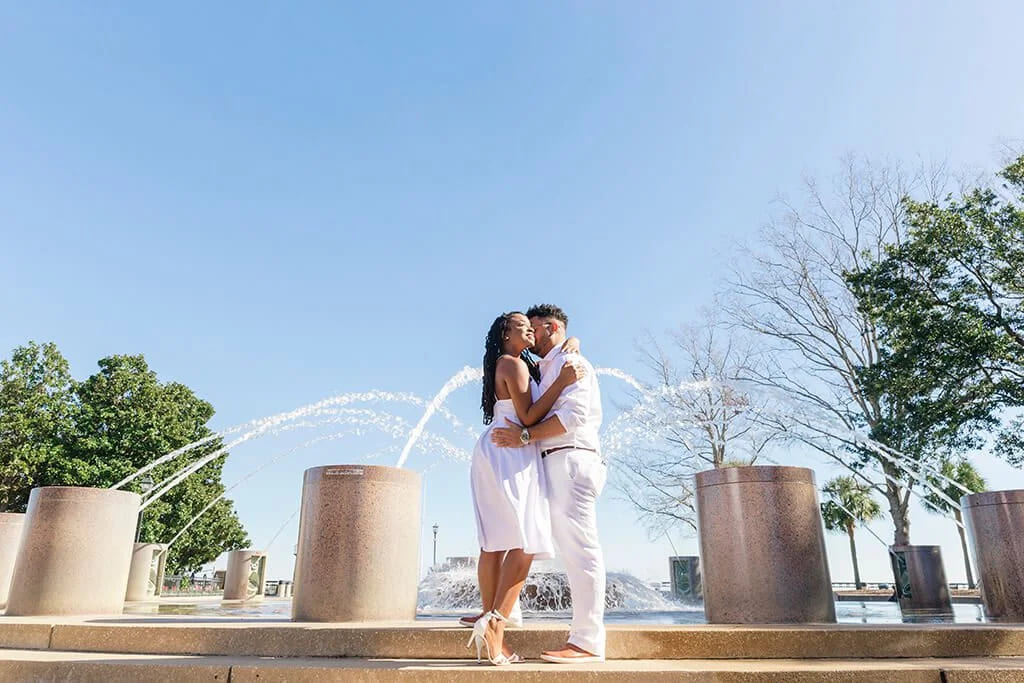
964, 474
849, 502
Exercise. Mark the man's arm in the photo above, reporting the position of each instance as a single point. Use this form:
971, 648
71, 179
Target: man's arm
508, 437
569, 413
572, 407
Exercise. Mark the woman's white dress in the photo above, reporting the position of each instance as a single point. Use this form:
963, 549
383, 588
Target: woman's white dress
510, 493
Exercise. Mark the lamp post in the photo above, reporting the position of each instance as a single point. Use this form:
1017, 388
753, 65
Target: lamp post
146, 484
435, 544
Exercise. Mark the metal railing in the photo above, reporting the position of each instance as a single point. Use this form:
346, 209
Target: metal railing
191, 585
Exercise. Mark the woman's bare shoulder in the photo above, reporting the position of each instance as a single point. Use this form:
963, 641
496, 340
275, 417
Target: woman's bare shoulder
510, 364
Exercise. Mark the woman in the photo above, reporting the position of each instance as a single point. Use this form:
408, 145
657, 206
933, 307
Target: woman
508, 484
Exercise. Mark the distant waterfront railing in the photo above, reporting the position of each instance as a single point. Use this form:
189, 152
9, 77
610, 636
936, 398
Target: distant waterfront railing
192, 585
885, 586
666, 586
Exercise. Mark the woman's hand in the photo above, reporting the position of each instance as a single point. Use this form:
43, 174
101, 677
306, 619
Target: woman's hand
571, 373
571, 345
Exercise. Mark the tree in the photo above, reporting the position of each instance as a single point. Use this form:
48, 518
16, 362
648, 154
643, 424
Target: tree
849, 503
695, 417
963, 473
127, 418
55, 431
951, 295
836, 374
36, 412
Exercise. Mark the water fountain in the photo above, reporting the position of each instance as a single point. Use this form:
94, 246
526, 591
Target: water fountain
75, 552
685, 578
995, 525
146, 574
921, 585
11, 525
763, 547
246, 576
453, 588
358, 551
336, 410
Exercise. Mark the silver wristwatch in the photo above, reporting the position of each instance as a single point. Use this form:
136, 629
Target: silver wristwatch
524, 436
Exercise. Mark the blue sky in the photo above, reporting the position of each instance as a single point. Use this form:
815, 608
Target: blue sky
276, 204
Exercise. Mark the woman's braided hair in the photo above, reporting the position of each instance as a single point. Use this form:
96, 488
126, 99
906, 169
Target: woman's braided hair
494, 347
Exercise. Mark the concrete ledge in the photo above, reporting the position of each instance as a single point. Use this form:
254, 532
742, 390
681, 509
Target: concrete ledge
32, 665
629, 671
25, 636
417, 641
55, 665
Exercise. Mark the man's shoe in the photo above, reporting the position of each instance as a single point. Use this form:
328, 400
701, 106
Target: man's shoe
570, 654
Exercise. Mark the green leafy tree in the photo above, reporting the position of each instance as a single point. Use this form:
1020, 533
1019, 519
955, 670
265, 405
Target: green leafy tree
55, 431
963, 473
36, 413
127, 418
950, 298
849, 503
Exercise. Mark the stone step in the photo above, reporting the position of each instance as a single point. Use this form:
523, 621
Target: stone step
52, 665
178, 636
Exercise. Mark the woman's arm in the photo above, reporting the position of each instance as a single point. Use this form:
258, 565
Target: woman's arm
517, 380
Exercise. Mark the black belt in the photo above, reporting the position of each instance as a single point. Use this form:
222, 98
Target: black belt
549, 451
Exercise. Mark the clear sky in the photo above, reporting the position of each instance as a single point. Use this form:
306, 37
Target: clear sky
276, 204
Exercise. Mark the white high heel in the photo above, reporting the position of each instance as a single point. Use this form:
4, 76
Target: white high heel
515, 618
512, 621
480, 640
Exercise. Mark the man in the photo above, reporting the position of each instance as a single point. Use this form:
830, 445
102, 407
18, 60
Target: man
576, 474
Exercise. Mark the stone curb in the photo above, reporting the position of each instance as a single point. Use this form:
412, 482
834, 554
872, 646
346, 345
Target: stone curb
54, 666
130, 636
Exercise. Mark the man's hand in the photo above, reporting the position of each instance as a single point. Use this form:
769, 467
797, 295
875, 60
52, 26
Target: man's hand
507, 437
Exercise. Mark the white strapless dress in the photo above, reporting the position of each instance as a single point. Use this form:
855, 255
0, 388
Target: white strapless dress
510, 493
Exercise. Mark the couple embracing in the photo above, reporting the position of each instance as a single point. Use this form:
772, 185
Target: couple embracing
535, 476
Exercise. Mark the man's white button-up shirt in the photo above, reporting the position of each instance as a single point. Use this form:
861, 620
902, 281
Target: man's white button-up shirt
578, 407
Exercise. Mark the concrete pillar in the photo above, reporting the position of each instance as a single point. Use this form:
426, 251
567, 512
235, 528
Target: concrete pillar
11, 525
246, 575
995, 525
75, 551
762, 547
921, 584
358, 556
146, 575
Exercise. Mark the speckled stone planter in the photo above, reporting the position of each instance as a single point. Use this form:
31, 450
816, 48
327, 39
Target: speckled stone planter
920, 576
246, 576
995, 525
358, 552
146, 575
11, 525
763, 547
75, 552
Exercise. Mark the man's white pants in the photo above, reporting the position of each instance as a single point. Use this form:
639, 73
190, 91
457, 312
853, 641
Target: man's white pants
575, 479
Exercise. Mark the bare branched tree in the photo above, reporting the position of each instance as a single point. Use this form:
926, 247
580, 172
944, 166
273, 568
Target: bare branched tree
793, 293
693, 418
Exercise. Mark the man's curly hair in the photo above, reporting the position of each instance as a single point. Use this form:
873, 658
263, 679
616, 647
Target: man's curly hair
548, 311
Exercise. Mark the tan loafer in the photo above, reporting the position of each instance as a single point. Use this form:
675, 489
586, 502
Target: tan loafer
570, 654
